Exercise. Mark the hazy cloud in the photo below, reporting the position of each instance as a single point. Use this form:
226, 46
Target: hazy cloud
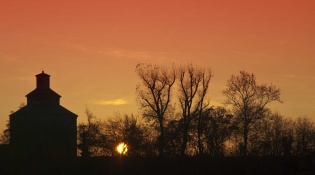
116, 102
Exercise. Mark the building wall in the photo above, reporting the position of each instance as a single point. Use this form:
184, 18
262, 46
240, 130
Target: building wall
50, 135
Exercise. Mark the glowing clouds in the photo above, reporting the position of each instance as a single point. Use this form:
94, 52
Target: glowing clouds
115, 102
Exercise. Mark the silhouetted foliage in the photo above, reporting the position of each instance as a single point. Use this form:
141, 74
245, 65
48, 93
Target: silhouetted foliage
218, 128
127, 129
271, 136
90, 138
305, 135
173, 136
5, 135
100, 138
249, 100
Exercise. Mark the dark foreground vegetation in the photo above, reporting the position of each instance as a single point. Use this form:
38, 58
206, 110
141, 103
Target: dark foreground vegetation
178, 131
187, 165
196, 165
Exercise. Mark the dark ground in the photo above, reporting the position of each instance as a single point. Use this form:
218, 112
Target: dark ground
192, 165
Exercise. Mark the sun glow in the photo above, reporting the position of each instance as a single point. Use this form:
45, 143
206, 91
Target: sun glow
122, 148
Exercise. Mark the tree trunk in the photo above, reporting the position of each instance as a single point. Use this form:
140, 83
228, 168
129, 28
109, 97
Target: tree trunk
245, 140
185, 140
200, 147
161, 140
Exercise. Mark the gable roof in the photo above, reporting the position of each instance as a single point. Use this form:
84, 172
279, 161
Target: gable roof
43, 110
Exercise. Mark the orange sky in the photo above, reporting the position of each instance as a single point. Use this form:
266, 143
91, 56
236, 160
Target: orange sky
91, 48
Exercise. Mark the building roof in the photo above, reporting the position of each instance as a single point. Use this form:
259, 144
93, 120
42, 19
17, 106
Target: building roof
43, 101
42, 92
42, 110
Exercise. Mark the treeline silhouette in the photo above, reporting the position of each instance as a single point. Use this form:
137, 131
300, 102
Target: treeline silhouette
177, 119
178, 130
274, 135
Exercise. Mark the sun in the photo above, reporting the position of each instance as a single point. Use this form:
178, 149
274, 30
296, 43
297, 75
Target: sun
122, 148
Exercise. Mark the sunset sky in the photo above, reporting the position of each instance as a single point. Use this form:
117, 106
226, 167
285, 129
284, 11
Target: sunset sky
90, 48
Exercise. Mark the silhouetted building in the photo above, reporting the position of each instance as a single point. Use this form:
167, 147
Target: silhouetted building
43, 128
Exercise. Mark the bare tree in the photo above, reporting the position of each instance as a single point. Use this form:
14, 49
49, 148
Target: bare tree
218, 127
129, 130
173, 138
193, 87
272, 136
304, 135
154, 95
261, 137
249, 100
281, 129
90, 136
